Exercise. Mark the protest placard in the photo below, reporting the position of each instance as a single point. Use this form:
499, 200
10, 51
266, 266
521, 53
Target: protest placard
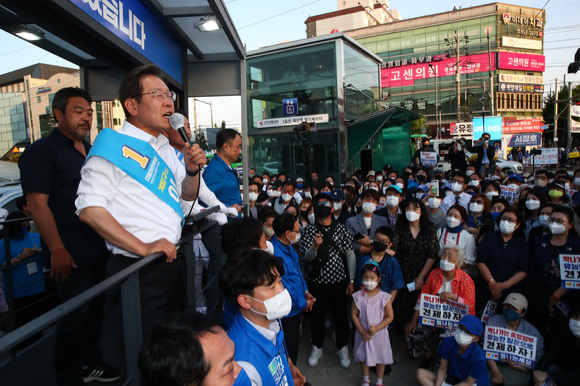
501, 344
435, 313
509, 193
570, 193
570, 271
489, 311
428, 158
548, 156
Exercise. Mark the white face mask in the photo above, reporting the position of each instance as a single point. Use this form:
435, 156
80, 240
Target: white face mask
434, 203
544, 221
469, 173
374, 188
574, 327
265, 181
311, 218
532, 204
379, 178
419, 195
296, 239
337, 206
286, 197
462, 338
370, 285
557, 229
507, 227
392, 201
446, 266
276, 193
269, 248
474, 207
577, 181
385, 190
400, 185
368, 207
277, 307
270, 193
473, 183
491, 195
307, 195
252, 196
457, 187
412, 216
452, 222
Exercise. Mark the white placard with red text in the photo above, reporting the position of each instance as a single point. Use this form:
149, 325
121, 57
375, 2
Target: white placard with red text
435, 313
570, 271
501, 344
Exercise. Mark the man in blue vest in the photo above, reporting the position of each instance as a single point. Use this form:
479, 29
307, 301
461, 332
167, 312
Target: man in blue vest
252, 281
220, 177
287, 233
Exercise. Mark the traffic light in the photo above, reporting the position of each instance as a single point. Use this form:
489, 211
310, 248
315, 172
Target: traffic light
574, 67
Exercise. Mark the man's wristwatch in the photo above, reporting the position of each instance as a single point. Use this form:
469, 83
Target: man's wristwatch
352, 281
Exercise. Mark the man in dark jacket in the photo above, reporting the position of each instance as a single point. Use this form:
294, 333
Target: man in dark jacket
456, 157
416, 160
485, 153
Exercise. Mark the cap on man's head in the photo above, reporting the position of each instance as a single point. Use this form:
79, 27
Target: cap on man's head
519, 301
472, 324
516, 176
320, 196
412, 184
299, 179
277, 184
423, 187
337, 194
371, 173
395, 188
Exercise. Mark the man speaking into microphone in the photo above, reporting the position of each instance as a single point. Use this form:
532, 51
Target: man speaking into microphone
131, 191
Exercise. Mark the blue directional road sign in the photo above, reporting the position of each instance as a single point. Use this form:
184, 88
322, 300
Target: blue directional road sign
290, 106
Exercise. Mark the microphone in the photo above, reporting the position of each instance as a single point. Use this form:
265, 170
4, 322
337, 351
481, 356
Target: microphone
177, 121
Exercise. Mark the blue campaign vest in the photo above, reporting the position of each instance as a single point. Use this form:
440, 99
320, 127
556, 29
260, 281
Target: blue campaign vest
141, 162
243, 379
270, 361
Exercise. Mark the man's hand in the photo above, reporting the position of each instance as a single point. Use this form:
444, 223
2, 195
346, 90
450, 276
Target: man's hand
60, 264
27, 252
194, 157
444, 296
497, 378
162, 245
299, 379
365, 241
349, 289
309, 301
317, 241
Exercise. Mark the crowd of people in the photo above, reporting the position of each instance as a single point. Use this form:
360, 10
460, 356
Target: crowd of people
356, 255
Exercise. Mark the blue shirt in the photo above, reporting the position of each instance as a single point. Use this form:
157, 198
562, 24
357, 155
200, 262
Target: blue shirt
472, 363
391, 274
292, 278
24, 283
222, 180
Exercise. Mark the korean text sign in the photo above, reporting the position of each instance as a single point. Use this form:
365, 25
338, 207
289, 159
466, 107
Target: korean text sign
509, 193
428, 158
522, 126
435, 313
570, 271
548, 156
501, 344
517, 61
534, 139
493, 127
489, 311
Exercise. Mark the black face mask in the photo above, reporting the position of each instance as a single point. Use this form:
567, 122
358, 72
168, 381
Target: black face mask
323, 211
438, 178
421, 178
379, 247
304, 214
315, 180
425, 145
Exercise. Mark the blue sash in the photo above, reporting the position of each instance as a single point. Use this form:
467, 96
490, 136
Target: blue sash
141, 162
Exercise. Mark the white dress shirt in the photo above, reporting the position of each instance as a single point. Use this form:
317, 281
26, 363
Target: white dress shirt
135, 207
466, 242
449, 201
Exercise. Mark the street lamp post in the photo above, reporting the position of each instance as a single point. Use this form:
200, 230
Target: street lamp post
210, 108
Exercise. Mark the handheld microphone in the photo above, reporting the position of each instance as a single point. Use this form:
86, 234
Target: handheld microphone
177, 121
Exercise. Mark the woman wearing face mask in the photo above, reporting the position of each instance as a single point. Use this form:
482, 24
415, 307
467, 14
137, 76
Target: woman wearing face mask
436, 216
455, 233
267, 218
364, 226
557, 195
491, 190
530, 208
544, 221
448, 282
545, 287
400, 183
559, 364
520, 203
416, 248
479, 219
27, 275
502, 258
305, 210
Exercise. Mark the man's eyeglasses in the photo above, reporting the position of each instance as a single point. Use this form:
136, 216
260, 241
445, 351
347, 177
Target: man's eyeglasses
323, 203
161, 95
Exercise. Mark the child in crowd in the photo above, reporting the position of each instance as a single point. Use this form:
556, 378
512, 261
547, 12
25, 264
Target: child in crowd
372, 312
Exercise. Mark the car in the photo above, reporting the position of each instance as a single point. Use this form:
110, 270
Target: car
9, 193
507, 167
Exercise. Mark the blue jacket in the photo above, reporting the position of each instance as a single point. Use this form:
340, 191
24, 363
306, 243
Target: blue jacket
223, 182
269, 360
292, 279
391, 274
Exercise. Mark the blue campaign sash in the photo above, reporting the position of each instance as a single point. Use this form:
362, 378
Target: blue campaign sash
141, 162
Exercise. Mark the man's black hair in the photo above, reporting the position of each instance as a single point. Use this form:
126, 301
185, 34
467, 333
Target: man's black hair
61, 97
131, 86
265, 174
541, 171
225, 136
258, 184
241, 233
282, 174
386, 231
246, 271
462, 175
20, 202
289, 182
16, 226
173, 354
284, 223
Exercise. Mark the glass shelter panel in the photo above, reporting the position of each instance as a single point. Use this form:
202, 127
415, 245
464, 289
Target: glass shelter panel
362, 84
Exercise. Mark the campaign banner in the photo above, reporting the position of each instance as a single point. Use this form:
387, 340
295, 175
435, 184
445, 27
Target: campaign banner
525, 88
549, 156
576, 111
501, 344
515, 78
493, 126
524, 62
509, 193
489, 311
461, 128
406, 76
522, 126
292, 121
435, 313
519, 140
570, 192
428, 158
570, 271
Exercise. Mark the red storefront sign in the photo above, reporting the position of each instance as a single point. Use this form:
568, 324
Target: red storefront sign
526, 62
405, 76
522, 126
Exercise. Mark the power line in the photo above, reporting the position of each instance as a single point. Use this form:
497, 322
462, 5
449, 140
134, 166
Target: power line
280, 14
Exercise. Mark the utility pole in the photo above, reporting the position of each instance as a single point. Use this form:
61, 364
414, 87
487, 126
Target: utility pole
437, 121
569, 137
458, 74
491, 95
556, 115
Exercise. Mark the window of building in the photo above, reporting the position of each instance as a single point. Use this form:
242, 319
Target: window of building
38, 99
116, 122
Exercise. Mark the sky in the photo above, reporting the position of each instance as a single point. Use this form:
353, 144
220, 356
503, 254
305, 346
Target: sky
260, 24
